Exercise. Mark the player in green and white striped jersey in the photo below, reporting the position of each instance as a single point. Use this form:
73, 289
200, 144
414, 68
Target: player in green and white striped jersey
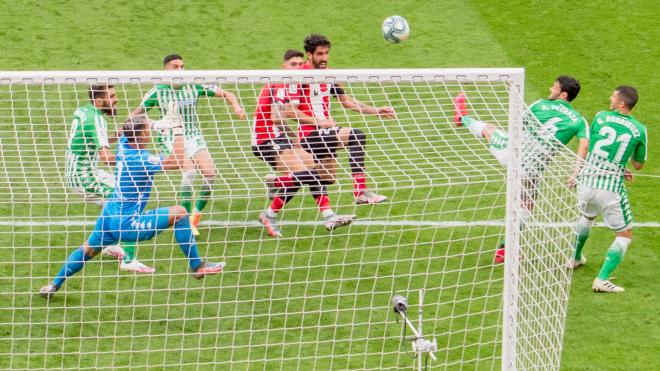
89, 145
559, 124
616, 138
198, 157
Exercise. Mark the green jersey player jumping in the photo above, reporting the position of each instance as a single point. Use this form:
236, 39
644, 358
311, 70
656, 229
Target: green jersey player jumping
89, 145
559, 121
197, 154
616, 138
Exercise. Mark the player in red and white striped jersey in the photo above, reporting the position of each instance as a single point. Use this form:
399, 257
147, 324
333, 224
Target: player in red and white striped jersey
276, 144
320, 135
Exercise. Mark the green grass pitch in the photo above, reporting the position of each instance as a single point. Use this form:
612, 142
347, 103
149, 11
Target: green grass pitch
603, 44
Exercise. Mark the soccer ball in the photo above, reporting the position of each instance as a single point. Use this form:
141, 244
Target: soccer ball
395, 29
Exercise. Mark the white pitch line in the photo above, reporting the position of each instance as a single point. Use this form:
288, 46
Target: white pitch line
376, 223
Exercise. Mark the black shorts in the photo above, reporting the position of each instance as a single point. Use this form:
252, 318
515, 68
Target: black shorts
322, 143
270, 150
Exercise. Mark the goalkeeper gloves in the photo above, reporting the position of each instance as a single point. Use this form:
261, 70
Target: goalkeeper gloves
170, 121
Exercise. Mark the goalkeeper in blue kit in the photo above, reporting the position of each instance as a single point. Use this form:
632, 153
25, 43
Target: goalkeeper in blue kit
124, 217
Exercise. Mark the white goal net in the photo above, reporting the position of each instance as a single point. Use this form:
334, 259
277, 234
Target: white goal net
309, 299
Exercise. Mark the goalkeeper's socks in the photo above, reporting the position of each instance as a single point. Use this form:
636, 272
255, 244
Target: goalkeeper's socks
129, 251
359, 184
615, 255
582, 229
476, 127
186, 240
74, 263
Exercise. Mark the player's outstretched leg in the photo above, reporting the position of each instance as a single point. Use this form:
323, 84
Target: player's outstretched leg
460, 109
74, 263
461, 117
188, 245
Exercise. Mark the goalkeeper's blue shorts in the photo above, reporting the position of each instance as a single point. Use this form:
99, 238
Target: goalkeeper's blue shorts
111, 229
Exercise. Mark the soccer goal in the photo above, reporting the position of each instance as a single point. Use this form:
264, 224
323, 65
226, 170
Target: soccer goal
410, 283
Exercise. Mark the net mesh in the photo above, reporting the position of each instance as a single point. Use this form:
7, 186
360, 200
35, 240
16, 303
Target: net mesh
311, 299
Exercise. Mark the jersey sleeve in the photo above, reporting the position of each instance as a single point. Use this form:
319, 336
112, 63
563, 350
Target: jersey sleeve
641, 151
150, 99
336, 90
96, 129
294, 92
583, 129
279, 95
207, 89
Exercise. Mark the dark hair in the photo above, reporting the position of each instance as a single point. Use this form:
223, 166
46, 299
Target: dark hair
315, 40
628, 95
292, 53
570, 86
133, 126
170, 58
98, 91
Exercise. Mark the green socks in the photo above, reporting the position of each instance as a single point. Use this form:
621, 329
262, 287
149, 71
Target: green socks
129, 251
582, 229
614, 256
186, 200
204, 196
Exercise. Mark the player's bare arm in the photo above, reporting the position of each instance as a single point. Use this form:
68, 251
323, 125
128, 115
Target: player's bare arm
106, 156
279, 118
304, 119
637, 165
232, 100
583, 148
353, 104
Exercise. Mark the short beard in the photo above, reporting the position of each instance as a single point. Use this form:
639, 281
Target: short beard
110, 111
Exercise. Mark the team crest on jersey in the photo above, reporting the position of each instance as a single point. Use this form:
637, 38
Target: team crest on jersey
154, 160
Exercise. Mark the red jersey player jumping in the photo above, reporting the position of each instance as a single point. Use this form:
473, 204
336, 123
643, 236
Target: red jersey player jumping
320, 135
276, 144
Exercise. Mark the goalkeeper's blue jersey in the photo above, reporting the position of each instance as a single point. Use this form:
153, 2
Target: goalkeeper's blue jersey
134, 179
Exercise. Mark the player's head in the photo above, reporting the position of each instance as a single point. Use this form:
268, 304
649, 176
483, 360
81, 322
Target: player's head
104, 97
293, 59
173, 62
624, 98
317, 48
136, 129
565, 87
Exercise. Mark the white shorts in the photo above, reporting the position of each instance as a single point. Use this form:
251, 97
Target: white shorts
614, 207
191, 144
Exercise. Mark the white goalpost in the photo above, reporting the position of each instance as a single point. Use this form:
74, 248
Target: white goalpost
312, 298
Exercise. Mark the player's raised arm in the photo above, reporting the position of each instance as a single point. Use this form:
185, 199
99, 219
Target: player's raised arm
232, 100
353, 104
